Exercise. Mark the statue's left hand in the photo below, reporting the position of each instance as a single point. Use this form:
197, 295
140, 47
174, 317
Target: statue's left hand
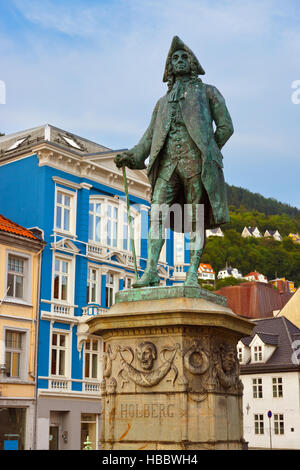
124, 159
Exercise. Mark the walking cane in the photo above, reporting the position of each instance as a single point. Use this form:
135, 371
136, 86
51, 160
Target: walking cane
130, 222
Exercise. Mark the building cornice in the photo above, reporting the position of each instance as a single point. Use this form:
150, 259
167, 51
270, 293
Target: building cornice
268, 368
13, 240
84, 168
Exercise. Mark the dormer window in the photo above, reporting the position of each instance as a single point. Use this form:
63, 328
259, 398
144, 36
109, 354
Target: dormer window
240, 354
258, 355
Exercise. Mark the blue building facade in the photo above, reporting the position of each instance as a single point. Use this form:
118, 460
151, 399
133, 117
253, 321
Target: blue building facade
70, 190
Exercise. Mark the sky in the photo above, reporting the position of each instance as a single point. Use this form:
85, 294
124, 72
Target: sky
95, 67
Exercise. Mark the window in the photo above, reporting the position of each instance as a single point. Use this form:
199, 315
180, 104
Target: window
277, 387
110, 290
92, 286
64, 211
258, 424
278, 424
61, 279
179, 248
16, 277
13, 353
112, 225
128, 282
257, 353
58, 354
126, 231
89, 430
95, 217
91, 358
109, 224
240, 354
257, 388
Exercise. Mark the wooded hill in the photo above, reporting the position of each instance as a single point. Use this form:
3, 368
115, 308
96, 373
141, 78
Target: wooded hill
271, 258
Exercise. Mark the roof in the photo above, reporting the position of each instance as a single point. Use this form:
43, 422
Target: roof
277, 331
47, 133
291, 309
255, 274
205, 266
7, 225
254, 299
268, 338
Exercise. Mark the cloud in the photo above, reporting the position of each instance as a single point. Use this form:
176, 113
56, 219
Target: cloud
95, 68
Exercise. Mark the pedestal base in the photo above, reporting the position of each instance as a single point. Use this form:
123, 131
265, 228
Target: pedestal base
171, 374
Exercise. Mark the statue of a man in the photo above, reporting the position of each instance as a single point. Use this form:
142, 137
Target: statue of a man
185, 164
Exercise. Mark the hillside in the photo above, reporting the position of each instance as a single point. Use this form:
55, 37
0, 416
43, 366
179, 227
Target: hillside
272, 258
240, 197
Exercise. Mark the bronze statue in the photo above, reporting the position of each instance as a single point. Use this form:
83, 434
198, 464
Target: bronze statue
185, 164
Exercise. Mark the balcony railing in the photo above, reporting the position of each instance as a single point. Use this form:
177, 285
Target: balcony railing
93, 309
61, 309
59, 384
105, 253
92, 387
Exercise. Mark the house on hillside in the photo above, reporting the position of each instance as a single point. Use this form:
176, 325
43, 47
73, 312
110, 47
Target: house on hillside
228, 271
283, 285
273, 234
295, 237
206, 273
270, 370
251, 232
214, 232
255, 276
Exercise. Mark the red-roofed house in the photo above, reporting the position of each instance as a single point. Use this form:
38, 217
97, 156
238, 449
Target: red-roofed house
255, 276
206, 273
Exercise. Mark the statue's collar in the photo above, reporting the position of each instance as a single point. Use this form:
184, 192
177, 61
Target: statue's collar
179, 89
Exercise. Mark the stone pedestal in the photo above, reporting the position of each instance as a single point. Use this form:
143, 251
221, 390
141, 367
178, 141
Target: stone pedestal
171, 371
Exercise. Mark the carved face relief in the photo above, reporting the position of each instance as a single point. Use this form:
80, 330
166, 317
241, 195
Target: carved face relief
146, 354
180, 63
228, 356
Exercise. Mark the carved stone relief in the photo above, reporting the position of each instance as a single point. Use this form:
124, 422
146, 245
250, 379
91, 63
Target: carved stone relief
227, 369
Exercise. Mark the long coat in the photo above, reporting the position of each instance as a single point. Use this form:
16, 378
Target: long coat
203, 104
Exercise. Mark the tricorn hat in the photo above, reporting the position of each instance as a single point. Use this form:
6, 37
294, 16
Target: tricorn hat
178, 44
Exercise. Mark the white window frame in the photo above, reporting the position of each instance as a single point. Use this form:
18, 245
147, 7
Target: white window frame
98, 353
279, 424
122, 210
27, 285
66, 349
178, 243
128, 285
240, 355
277, 387
97, 283
259, 424
71, 276
111, 286
73, 210
258, 353
24, 352
257, 387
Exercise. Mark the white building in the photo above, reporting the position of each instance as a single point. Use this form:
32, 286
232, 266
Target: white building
255, 276
206, 273
214, 232
228, 272
273, 234
270, 372
251, 232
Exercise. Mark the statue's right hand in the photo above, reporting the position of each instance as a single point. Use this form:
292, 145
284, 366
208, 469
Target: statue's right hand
124, 159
